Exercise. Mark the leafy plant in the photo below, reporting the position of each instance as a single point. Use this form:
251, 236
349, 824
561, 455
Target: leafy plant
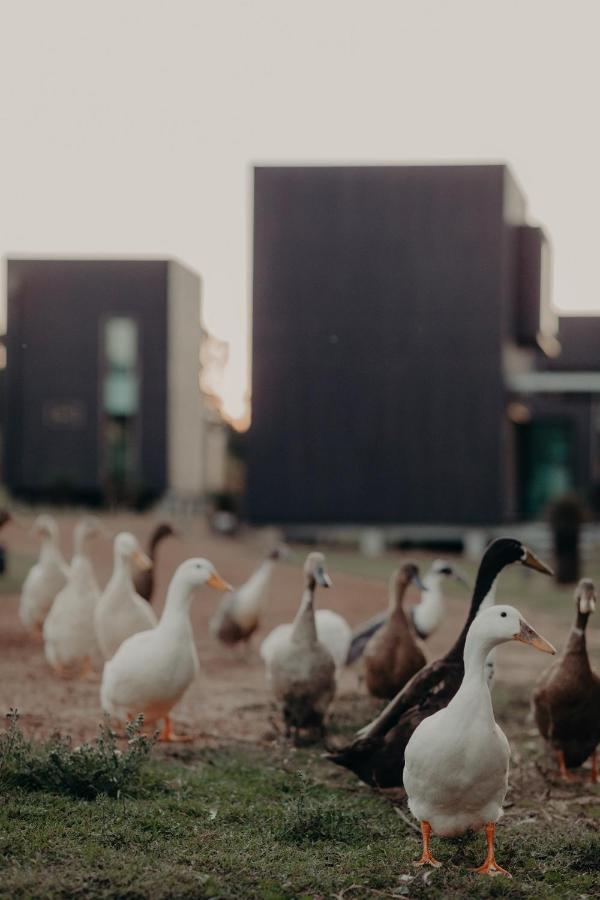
86, 771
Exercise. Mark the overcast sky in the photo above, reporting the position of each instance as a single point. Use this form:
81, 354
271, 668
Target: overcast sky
129, 126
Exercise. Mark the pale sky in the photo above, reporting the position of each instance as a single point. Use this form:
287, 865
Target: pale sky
129, 127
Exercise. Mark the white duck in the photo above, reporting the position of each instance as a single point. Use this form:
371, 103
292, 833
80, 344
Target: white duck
120, 611
238, 614
151, 670
427, 614
45, 579
301, 670
457, 760
69, 636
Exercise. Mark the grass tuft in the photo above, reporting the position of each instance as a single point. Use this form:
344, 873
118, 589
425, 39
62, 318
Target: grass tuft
306, 819
85, 772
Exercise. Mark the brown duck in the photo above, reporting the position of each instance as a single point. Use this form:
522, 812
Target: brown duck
392, 655
144, 580
567, 697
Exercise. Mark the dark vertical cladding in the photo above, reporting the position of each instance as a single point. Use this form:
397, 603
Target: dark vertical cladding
530, 287
57, 310
377, 387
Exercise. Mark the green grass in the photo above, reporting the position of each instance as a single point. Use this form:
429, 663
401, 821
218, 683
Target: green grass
250, 822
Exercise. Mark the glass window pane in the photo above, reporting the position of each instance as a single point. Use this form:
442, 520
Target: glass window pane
121, 343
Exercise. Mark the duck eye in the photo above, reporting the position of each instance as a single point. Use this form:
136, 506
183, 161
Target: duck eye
503, 614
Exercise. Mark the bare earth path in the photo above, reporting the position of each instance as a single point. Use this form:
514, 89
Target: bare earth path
230, 699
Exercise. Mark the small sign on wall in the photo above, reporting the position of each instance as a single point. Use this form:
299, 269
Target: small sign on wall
69, 414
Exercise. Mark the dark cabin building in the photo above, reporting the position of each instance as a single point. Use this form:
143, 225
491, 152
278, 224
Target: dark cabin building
558, 420
396, 312
102, 380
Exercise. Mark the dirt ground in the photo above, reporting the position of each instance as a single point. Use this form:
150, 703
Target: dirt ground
230, 699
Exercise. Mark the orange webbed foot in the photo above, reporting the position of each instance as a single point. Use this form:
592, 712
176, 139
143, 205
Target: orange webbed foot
168, 736
427, 860
426, 857
490, 866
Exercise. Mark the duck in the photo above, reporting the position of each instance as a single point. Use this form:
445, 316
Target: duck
392, 656
70, 642
238, 614
120, 611
456, 762
143, 580
152, 669
45, 579
425, 616
301, 671
566, 701
376, 755
333, 631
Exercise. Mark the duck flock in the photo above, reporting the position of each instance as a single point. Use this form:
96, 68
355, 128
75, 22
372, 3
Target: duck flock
436, 740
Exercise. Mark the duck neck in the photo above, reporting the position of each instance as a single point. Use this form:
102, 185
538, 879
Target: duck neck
122, 570
81, 546
490, 597
397, 593
254, 593
576, 641
431, 599
155, 539
177, 604
483, 593
474, 690
304, 629
49, 549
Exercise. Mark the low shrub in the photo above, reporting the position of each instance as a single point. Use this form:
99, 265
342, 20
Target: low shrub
85, 771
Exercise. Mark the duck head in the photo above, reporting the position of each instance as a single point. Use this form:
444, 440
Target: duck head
408, 573
163, 530
279, 551
88, 528
501, 553
441, 568
585, 597
45, 527
314, 571
499, 624
199, 571
127, 548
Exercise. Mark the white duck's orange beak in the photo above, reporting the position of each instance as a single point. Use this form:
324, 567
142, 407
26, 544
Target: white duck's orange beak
143, 562
527, 635
219, 583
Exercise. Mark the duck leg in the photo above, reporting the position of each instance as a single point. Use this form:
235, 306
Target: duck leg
168, 735
490, 866
564, 772
426, 857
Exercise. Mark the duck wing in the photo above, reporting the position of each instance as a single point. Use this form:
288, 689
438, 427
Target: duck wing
426, 684
362, 634
376, 755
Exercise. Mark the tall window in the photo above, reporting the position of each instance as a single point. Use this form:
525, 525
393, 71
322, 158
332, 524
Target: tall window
121, 405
